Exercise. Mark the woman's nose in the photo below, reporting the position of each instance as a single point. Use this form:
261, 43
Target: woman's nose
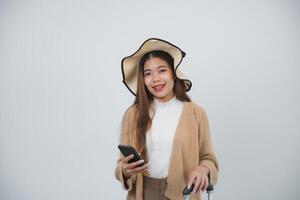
155, 77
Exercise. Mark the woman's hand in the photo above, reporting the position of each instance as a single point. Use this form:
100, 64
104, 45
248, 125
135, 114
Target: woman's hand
199, 177
130, 169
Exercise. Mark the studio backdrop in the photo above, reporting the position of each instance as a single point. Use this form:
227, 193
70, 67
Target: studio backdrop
62, 97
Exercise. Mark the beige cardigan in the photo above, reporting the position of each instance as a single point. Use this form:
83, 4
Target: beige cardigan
191, 147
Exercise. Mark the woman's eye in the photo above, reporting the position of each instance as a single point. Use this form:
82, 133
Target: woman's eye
146, 74
162, 70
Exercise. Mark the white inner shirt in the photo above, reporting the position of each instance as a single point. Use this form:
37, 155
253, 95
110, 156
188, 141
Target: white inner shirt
159, 138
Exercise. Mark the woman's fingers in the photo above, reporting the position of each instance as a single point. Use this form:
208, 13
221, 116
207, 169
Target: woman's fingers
132, 168
127, 158
125, 164
140, 169
191, 181
197, 183
135, 164
206, 184
201, 185
136, 170
199, 176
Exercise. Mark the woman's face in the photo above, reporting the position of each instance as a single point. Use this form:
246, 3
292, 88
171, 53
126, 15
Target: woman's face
158, 79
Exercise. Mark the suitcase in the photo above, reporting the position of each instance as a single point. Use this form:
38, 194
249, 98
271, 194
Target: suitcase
187, 191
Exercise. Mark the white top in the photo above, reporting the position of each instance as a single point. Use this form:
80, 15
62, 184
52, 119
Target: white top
159, 138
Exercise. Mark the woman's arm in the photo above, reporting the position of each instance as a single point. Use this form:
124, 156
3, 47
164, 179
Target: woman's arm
206, 155
127, 183
207, 169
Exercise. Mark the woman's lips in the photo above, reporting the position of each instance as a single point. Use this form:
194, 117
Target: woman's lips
158, 88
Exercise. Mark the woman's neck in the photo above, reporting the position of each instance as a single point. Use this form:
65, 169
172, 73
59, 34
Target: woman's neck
164, 101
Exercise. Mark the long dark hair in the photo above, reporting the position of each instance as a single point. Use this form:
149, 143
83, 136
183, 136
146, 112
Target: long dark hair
144, 98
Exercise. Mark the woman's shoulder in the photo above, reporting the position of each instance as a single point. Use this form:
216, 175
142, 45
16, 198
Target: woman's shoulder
130, 111
196, 108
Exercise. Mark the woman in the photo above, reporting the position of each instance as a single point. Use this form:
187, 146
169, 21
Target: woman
170, 132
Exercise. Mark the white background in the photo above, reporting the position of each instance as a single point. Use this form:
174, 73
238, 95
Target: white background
62, 97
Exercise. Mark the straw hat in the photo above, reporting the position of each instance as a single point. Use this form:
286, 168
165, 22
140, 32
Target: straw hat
130, 64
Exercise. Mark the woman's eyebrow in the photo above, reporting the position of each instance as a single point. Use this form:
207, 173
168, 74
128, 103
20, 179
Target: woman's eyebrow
161, 66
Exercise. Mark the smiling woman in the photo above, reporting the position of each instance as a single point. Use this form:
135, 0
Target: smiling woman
162, 119
159, 74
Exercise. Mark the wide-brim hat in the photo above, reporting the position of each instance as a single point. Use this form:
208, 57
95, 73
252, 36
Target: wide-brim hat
130, 64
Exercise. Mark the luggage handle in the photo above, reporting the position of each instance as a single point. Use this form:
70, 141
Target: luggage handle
187, 191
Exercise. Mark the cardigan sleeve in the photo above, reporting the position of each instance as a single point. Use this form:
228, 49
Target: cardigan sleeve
127, 184
206, 154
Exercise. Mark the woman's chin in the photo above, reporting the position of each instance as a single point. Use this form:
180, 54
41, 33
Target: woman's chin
158, 95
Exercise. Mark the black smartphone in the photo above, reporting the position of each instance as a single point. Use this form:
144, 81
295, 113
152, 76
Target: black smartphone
126, 150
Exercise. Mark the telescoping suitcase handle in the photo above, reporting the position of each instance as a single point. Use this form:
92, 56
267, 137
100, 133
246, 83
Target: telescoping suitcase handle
187, 191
